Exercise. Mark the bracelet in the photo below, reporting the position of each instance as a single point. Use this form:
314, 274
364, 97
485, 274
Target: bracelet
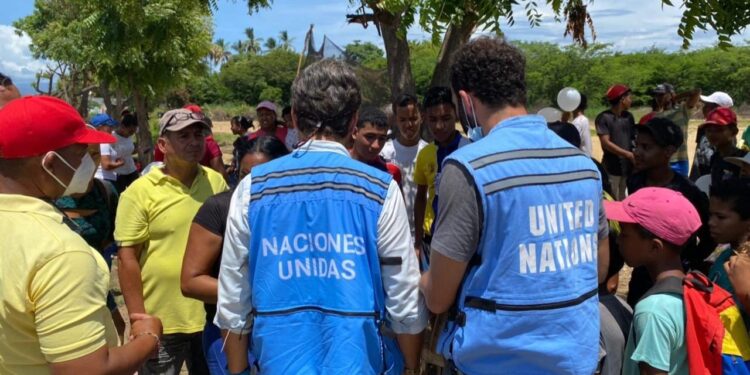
147, 333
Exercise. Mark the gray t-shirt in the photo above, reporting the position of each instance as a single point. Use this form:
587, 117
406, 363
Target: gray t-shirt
457, 233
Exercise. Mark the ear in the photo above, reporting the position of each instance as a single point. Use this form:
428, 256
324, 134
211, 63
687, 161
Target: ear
48, 161
656, 247
353, 123
294, 118
463, 96
161, 143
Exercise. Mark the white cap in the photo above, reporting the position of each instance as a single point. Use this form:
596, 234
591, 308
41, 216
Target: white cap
745, 160
719, 98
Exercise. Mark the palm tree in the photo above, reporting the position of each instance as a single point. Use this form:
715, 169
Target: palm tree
285, 40
270, 44
253, 43
219, 53
240, 47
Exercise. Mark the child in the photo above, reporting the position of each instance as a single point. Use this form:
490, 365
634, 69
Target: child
655, 225
721, 131
729, 224
440, 117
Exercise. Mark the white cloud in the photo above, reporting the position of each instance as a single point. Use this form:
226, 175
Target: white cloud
16, 60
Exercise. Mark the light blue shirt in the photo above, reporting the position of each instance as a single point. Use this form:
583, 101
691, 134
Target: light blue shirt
657, 336
404, 304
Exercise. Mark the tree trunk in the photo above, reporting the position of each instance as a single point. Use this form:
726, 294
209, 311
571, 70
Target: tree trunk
396, 53
145, 143
455, 37
83, 106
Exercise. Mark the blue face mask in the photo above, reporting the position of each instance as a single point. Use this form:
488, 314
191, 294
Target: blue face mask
475, 130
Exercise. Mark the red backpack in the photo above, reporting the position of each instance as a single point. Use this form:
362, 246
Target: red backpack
715, 335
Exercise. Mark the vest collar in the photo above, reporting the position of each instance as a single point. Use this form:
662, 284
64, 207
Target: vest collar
525, 120
324, 146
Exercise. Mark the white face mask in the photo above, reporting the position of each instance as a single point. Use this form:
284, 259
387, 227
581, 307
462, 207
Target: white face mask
79, 183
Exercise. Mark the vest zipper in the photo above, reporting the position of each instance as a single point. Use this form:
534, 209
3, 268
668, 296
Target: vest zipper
314, 308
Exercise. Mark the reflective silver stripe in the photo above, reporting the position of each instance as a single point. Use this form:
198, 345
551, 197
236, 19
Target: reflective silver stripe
298, 172
539, 179
541, 153
312, 187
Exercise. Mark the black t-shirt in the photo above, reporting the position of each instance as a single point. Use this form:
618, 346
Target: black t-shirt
621, 131
213, 216
694, 252
721, 170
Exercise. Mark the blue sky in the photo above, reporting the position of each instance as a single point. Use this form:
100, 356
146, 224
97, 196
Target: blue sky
628, 25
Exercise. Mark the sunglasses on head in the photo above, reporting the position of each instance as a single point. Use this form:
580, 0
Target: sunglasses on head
186, 116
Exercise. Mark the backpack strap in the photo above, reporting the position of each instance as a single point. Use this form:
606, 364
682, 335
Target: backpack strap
669, 285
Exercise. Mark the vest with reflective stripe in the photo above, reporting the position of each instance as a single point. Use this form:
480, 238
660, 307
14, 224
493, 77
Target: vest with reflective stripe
529, 306
317, 292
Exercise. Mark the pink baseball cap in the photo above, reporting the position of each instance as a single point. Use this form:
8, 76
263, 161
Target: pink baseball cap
664, 212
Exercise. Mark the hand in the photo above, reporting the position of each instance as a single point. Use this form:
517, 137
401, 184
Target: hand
145, 323
631, 157
738, 270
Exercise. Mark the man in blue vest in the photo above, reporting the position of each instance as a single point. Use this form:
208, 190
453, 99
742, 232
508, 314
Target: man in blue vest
317, 257
515, 247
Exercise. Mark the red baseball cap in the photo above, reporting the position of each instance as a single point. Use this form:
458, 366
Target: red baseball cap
616, 91
664, 212
721, 116
193, 108
35, 125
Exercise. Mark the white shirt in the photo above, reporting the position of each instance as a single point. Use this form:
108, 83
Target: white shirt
582, 124
405, 157
404, 304
122, 149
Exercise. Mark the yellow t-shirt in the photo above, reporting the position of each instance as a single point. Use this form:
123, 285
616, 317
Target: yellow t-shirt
53, 290
157, 211
425, 173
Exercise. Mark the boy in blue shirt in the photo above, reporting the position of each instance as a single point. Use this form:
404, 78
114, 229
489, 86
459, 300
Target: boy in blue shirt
656, 223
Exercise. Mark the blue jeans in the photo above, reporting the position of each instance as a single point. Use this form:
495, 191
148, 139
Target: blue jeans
212, 343
682, 167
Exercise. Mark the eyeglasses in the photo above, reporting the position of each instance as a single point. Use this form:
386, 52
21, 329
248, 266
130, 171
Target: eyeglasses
186, 116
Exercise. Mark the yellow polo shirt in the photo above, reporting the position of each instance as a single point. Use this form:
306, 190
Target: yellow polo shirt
53, 290
426, 174
157, 211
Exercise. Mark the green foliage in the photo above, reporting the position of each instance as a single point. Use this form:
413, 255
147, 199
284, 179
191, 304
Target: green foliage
423, 57
249, 77
550, 68
130, 45
366, 54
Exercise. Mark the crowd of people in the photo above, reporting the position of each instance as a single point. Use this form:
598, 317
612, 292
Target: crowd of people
338, 240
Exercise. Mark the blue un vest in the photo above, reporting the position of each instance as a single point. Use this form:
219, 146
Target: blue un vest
528, 304
317, 292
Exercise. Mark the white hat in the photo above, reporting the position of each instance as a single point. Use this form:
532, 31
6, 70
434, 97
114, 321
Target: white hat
719, 98
745, 160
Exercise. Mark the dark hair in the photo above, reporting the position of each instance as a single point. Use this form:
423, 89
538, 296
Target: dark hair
5, 80
436, 96
492, 70
404, 100
584, 104
645, 233
286, 111
326, 97
734, 191
374, 117
242, 121
267, 145
129, 121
